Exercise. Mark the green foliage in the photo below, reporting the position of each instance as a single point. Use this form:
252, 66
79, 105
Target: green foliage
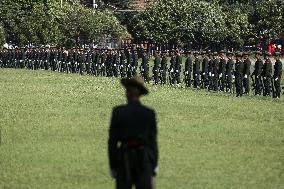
238, 26
2, 35
45, 22
173, 21
268, 16
54, 130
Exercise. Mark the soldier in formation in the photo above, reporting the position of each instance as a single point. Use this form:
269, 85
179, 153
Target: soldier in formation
218, 71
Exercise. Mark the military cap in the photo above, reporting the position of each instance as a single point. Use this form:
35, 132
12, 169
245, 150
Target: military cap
215, 53
222, 51
136, 82
246, 53
277, 54
258, 52
267, 54
239, 54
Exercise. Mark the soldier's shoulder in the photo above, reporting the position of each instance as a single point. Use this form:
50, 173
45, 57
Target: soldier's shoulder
148, 109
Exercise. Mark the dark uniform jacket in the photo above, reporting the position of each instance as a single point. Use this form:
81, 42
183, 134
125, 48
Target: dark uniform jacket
188, 64
267, 69
131, 124
247, 64
278, 69
258, 68
205, 64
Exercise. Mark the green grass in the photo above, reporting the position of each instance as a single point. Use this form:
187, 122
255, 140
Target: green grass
54, 130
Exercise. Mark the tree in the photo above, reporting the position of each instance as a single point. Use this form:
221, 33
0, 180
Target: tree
238, 26
2, 35
42, 22
269, 17
171, 21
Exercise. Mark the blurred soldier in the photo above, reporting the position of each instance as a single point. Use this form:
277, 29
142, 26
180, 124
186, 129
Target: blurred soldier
115, 63
178, 67
215, 65
129, 64
37, 59
239, 70
122, 65
188, 69
132, 143
246, 81
88, 63
164, 68
134, 64
109, 62
69, 61
222, 71
156, 68
103, 63
94, 62
257, 73
204, 76
172, 66
196, 70
144, 68
267, 74
210, 71
277, 75
229, 72
46, 58
81, 61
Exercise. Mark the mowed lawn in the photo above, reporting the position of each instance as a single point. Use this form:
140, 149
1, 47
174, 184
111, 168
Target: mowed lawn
54, 130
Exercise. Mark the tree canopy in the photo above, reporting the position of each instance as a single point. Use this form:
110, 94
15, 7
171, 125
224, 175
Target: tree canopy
45, 21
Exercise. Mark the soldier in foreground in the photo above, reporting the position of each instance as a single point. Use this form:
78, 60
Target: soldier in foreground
132, 144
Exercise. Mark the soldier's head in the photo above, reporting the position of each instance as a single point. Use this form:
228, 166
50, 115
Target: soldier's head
134, 88
230, 55
267, 55
257, 54
196, 53
277, 56
246, 55
222, 54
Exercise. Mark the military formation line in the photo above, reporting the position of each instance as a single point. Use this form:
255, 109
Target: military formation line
214, 71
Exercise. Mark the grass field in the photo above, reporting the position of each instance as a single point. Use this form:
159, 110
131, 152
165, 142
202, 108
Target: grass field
54, 130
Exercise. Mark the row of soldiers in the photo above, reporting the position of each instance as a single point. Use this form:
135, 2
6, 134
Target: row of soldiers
223, 71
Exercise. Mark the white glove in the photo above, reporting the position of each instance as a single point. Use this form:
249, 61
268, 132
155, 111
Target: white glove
209, 73
114, 64
113, 173
103, 64
233, 77
276, 78
186, 72
203, 73
220, 75
177, 71
172, 70
195, 74
213, 75
156, 171
246, 76
264, 78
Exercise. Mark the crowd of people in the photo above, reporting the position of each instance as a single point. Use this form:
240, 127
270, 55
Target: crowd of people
214, 71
